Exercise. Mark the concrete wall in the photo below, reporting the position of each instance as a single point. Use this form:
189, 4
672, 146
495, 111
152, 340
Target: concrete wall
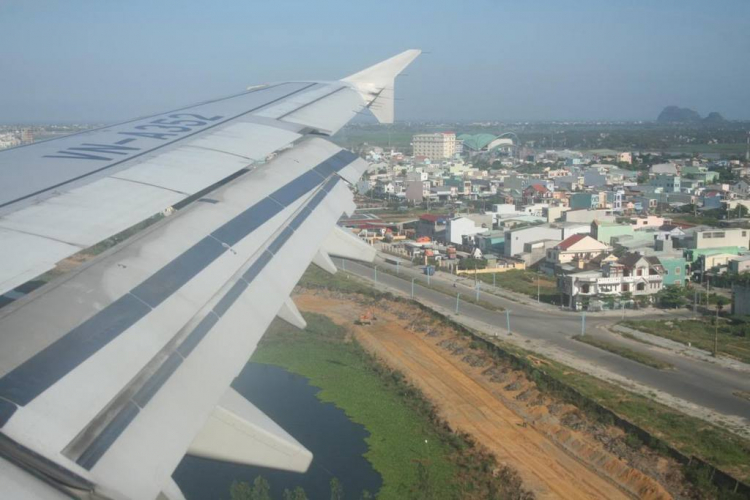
740, 300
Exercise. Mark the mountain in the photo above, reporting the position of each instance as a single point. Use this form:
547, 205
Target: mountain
714, 117
674, 114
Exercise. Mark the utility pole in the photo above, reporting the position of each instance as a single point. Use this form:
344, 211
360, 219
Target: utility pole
695, 302
343, 264
476, 288
397, 262
412, 287
583, 323
538, 288
458, 297
716, 331
507, 319
375, 270
475, 274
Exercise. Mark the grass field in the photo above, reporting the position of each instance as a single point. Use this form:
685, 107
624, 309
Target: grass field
624, 352
699, 333
397, 432
525, 282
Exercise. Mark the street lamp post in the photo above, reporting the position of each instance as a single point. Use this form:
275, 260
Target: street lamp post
507, 319
477, 290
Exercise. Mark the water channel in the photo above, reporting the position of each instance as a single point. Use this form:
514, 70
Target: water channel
336, 442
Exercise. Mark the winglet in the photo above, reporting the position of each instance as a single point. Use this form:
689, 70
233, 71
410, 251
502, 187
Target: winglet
375, 84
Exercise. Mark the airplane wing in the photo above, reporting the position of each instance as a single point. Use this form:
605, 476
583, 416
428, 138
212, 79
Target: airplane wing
112, 372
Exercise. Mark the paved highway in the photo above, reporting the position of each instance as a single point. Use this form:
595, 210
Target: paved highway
701, 383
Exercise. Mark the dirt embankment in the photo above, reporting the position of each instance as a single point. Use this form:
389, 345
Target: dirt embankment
557, 450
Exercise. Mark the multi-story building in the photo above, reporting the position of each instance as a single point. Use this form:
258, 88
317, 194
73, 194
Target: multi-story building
668, 183
438, 146
716, 238
633, 274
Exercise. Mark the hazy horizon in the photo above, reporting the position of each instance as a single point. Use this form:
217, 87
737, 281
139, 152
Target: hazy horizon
102, 62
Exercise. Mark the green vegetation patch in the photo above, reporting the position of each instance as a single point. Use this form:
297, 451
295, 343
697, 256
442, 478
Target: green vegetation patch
624, 352
733, 339
526, 282
397, 431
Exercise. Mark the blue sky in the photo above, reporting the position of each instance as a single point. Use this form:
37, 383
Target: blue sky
108, 60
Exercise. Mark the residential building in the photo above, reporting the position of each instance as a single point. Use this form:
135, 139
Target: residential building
467, 225
716, 238
633, 273
605, 231
664, 168
490, 241
433, 226
584, 201
675, 269
740, 264
515, 239
581, 248
667, 183
588, 216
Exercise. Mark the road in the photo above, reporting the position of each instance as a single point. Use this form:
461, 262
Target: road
700, 383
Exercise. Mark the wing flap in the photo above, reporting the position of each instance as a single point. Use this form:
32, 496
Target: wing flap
291, 314
239, 432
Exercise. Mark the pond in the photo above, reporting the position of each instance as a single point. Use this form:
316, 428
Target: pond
336, 442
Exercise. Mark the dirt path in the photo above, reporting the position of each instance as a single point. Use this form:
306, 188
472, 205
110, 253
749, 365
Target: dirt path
469, 402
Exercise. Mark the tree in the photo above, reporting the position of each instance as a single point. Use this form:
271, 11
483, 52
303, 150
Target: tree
337, 491
366, 495
261, 489
240, 490
671, 297
643, 300
297, 494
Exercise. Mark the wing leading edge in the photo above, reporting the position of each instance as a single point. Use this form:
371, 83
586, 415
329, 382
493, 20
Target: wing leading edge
62, 196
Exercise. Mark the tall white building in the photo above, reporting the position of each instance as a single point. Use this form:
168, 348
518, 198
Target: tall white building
438, 146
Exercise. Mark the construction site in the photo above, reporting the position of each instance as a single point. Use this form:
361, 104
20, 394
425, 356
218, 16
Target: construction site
558, 450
